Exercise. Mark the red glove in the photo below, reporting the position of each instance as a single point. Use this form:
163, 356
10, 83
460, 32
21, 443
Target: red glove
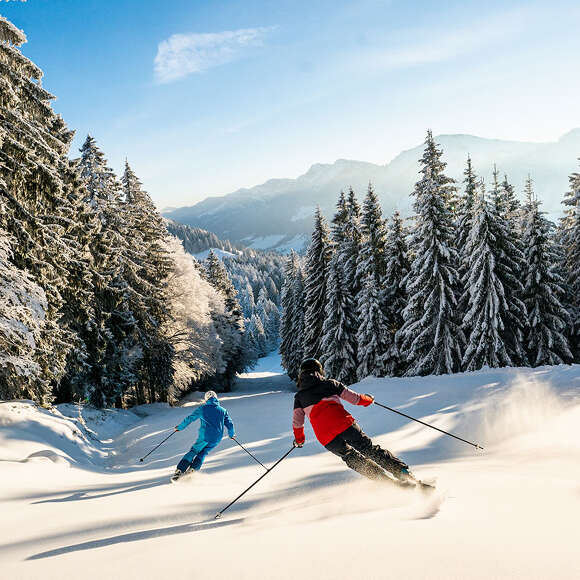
366, 400
299, 436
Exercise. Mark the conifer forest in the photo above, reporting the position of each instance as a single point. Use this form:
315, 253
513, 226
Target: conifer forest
476, 278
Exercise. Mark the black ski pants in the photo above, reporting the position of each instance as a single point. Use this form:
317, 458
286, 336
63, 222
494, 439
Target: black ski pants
356, 449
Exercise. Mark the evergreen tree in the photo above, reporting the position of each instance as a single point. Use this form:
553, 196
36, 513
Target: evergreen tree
146, 266
23, 307
394, 293
374, 234
338, 345
431, 338
510, 269
484, 320
246, 298
230, 326
465, 215
510, 201
287, 317
35, 182
112, 341
339, 220
250, 344
570, 240
292, 320
545, 338
315, 287
372, 336
78, 308
351, 248
258, 335
269, 316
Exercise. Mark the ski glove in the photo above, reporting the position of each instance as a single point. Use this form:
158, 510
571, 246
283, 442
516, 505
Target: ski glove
366, 400
299, 436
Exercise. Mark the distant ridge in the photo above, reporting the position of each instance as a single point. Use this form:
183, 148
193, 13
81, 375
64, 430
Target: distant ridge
278, 213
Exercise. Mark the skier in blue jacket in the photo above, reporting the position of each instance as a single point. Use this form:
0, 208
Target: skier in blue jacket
213, 417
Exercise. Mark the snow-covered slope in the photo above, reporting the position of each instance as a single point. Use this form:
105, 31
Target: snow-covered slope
285, 207
510, 511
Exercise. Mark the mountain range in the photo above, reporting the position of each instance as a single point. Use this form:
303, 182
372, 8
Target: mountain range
278, 214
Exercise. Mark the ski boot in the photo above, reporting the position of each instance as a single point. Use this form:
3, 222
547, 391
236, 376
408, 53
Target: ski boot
408, 479
178, 473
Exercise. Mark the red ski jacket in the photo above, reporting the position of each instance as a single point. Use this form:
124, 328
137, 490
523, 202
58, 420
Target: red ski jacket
319, 400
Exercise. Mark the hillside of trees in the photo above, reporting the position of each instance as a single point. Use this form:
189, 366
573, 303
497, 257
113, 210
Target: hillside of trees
257, 277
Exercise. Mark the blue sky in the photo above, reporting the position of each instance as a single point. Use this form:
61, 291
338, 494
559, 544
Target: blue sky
205, 97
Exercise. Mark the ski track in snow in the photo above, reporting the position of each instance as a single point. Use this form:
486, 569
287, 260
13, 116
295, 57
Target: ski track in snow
76, 501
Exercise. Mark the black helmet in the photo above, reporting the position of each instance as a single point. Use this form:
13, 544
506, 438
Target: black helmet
311, 365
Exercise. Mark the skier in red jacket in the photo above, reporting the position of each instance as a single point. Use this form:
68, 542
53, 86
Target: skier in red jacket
318, 398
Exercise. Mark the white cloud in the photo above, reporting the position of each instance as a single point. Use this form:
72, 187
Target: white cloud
184, 54
427, 46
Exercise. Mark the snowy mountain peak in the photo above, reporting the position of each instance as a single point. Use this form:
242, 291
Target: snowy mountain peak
572, 136
277, 207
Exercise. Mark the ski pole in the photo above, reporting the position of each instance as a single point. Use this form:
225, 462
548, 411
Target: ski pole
162, 442
252, 456
219, 514
427, 425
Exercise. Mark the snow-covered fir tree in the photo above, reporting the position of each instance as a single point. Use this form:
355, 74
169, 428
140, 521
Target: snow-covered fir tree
23, 307
431, 338
339, 219
257, 337
510, 201
372, 337
113, 341
269, 316
546, 341
35, 181
78, 308
569, 236
338, 348
338, 345
351, 248
373, 236
292, 319
146, 266
484, 319
230, 326
510, 268
465, 215
246, 298
315, 287
189, 328
464, 220
394, 295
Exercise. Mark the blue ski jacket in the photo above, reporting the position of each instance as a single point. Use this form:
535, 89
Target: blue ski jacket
213, 417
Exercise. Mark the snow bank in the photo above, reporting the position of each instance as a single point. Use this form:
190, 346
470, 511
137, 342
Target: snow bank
65, 434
